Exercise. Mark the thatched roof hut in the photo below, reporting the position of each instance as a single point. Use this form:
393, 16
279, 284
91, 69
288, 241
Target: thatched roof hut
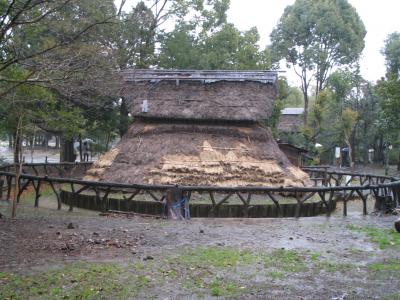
199, 128
200, 95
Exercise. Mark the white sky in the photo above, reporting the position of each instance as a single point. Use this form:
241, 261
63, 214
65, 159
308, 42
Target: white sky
380, 18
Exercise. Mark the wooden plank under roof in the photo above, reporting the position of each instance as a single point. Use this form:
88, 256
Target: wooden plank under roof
136, 75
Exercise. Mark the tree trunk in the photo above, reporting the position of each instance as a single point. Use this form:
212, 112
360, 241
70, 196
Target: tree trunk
365, 145
57, 142
108, 140
353, 142
48, 137
67, 150
350, 157
348, 143
398, 162
10, 141
305, 115
386, 160
17, 147
44, 141
80, 148
123, 118
380, 157
18, 169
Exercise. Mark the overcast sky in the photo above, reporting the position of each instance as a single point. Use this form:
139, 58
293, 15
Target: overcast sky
380, 18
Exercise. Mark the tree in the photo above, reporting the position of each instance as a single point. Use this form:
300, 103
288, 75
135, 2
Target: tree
349, 118
46, 47
291, 96
346, 91
341, 83
224, 47
320, 110
314, 36
391, 52
369, 131
77, 72
230, 49
31, 30
390, 103
179, 49
133, 37
389, 92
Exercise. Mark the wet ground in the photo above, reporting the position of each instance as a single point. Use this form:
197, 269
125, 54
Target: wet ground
37, 155
30, 155
46, 253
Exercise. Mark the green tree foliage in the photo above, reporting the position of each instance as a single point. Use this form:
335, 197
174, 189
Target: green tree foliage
389, 120
136, 33
348, 122
313, 36
341, 82
226, 48
32, 30
389, 92
389, 88
133, 37
229, 48
369, 133
291, 96
331, 122
320, 110
207, 41
57, 47
178, 49
19, 108
391, 52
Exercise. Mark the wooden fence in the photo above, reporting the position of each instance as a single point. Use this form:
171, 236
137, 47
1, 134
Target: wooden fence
328, 186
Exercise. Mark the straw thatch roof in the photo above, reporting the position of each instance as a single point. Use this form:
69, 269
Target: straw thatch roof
198, 154
200, 95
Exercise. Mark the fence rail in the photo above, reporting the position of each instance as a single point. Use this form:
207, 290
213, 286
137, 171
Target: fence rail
328, 186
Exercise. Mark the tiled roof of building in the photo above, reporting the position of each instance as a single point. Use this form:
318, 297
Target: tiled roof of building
292, 111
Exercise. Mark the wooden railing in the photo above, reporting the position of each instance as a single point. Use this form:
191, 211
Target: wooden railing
328, 186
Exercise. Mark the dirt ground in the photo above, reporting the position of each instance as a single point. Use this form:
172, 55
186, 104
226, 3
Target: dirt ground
50, 254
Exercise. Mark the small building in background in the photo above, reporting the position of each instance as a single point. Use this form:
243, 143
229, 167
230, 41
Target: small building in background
289, 126
296, 155
291, 120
